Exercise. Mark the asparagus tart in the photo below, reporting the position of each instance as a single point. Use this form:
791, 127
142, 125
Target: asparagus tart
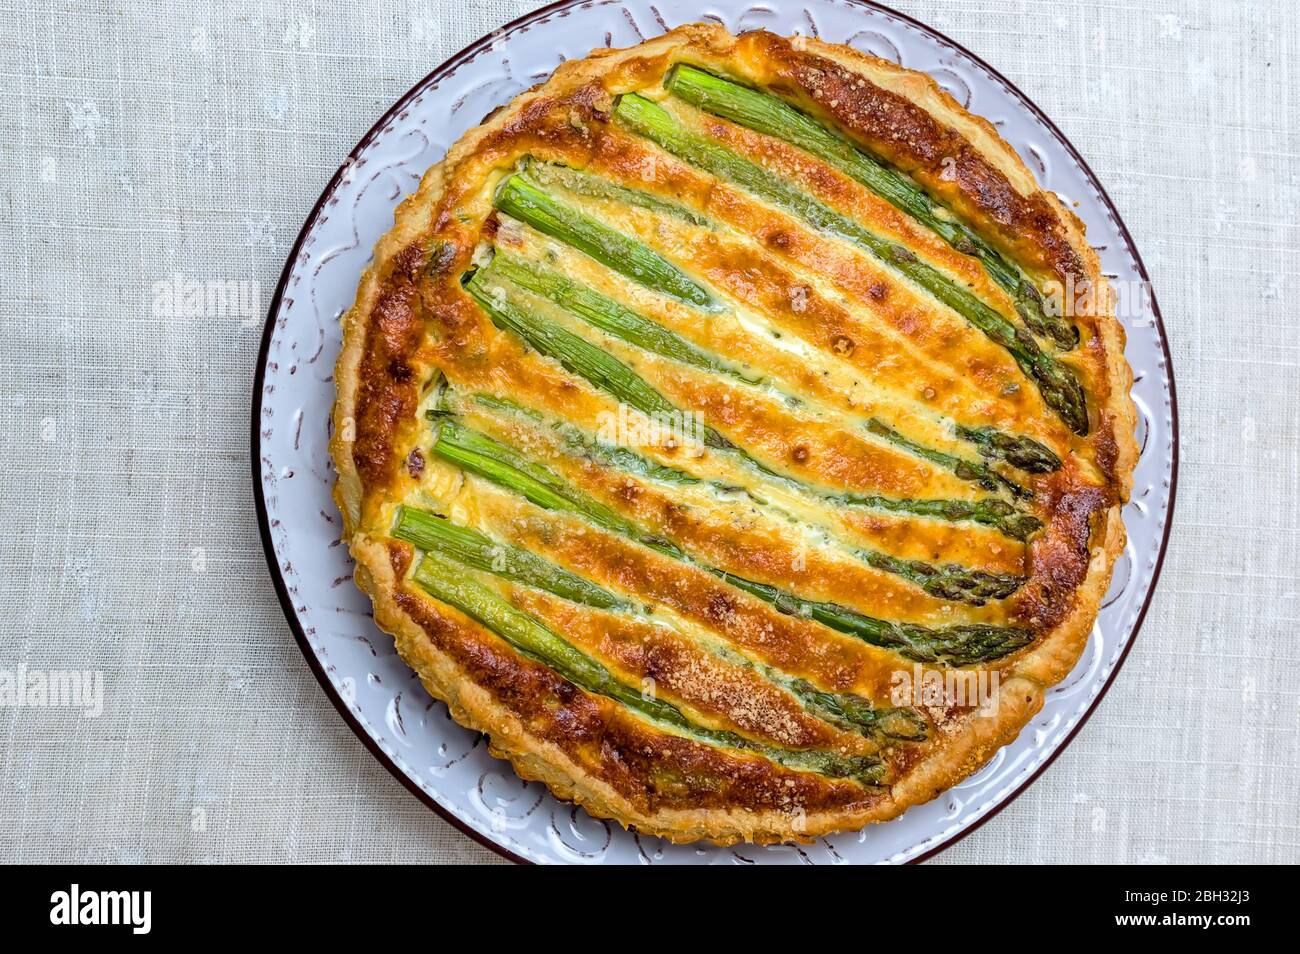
721, 431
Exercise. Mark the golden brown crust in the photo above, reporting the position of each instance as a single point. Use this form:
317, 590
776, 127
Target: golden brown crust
584, 747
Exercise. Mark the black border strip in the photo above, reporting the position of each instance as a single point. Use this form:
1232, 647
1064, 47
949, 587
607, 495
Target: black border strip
259, 374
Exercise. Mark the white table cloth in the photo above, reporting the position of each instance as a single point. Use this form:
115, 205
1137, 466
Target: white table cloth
149, 144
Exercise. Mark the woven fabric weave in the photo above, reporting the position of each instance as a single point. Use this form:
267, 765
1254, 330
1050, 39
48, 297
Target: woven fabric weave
151, 145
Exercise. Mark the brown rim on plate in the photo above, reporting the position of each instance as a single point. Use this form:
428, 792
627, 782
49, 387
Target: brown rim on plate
442, 72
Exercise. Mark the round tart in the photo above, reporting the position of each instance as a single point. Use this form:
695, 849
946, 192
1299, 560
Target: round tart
733, 431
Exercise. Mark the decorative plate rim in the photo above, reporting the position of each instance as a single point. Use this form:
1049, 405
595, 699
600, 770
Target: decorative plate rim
445, 69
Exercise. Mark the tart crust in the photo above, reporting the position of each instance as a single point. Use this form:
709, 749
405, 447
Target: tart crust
905, 117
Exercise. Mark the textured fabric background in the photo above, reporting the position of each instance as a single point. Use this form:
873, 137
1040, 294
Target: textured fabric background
139, 142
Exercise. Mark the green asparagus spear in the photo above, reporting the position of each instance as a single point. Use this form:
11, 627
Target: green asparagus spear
609, 456
576, 354
951, 581
966, 470
521, 199
846, 710
493, 461
604, 312
1039, 318
611, 375
446, 580
556, 176
431, 532
772, 116
542, 486
858, 714
959, 645
1023, 452
997, 514
1060, 389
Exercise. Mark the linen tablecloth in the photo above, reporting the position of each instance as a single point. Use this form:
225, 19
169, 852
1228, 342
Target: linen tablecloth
142, 142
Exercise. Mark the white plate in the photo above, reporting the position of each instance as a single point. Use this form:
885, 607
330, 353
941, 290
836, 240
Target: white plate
448, 766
